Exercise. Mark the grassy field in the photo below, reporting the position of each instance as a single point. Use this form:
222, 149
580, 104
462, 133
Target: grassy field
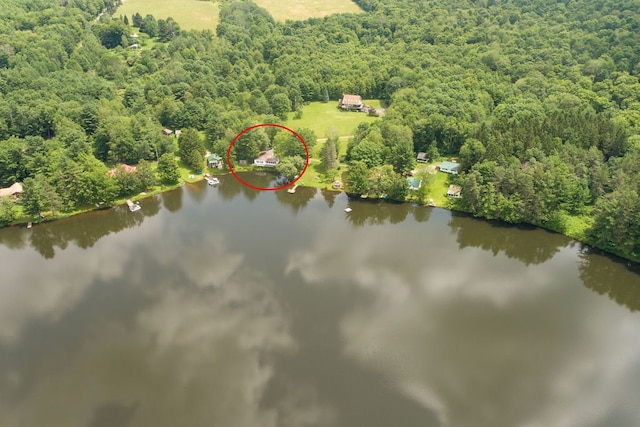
190, 14
323, 116
282, 10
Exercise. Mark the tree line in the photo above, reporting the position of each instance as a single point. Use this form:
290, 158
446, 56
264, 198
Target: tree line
539, 101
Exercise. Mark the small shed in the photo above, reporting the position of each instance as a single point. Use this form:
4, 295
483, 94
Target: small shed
450, 167
454, 191
167, 132
214, 161
422, 157
134, 46
178, 133
414, 183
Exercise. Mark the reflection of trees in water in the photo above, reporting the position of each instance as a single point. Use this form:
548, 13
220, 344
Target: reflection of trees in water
229, 187
197, 191
83, 230
422, 213
298, 200
329, 197
172, 200
531, 245
377, 212
607, 275
13, 237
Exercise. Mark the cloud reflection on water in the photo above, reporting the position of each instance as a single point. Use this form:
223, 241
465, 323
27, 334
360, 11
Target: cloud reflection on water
479, 339
199, 351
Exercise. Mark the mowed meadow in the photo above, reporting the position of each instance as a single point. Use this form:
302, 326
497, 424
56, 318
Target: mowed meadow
325, 117
190, 14
281, 10
203, 15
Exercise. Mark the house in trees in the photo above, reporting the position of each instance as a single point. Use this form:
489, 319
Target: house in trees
214, 161
127, 169
12, 191
167, 132
422, 157
267, 159
351, 102
450, 167
454, 191
414, 183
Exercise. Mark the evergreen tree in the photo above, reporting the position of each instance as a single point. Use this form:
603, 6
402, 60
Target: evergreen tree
168, 169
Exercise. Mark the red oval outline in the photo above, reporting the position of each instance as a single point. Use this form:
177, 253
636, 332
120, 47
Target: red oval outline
235, 175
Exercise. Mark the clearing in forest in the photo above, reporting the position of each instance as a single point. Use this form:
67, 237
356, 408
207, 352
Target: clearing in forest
190, 14
281, 10
324, 116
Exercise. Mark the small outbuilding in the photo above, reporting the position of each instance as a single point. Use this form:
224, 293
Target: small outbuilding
454, 191
422, 157
167, 132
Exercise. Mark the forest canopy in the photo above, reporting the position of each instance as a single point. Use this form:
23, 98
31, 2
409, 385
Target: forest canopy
538, 99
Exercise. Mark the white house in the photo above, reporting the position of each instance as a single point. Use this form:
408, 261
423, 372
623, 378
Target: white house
266, 159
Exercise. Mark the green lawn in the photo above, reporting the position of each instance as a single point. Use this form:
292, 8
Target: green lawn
323, 116
282, 10
190, 14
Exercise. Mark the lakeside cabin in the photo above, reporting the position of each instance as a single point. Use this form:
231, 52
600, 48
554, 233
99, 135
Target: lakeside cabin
266, 159
214, 162
450, 167
454, 191
13, 191
414, 183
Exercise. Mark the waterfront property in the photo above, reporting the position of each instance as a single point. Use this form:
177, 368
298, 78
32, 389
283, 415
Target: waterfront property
214, 161
450, 167
127, 169
414, 183
454, 191
267, 159
13, 191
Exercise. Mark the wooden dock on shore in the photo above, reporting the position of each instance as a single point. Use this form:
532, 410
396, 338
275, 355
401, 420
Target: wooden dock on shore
292, 190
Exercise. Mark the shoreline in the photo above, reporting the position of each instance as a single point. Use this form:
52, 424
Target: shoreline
198, 178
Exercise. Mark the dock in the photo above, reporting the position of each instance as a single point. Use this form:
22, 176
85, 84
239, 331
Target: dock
132, 206
292, 190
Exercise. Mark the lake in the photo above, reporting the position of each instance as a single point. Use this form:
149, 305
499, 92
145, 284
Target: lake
223, 306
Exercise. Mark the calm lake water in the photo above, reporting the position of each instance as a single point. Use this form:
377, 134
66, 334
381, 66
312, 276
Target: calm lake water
228, 307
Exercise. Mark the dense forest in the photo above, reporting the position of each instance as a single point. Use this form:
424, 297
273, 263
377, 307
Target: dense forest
539, 100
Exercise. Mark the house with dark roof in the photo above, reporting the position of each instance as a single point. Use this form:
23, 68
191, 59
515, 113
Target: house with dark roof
422, 157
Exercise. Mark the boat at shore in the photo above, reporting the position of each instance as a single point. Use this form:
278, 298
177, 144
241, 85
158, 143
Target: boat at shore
212, 180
